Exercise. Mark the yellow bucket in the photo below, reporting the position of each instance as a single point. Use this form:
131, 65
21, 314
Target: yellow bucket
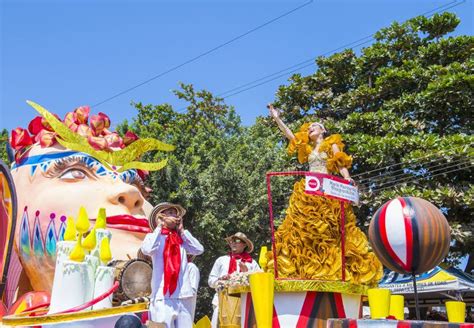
397, 305
379, 303
456, 311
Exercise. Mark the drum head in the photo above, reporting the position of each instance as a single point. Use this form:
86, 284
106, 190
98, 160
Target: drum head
136, 279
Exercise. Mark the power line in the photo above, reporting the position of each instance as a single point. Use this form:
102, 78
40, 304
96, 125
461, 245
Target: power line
395, 177
442, 152
310, 62
414, 166
427, 177
203, 54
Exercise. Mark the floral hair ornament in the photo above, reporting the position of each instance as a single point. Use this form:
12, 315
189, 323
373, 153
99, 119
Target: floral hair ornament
97, 141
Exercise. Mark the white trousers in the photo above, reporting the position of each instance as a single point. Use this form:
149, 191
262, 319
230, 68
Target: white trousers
170, 312
215, 317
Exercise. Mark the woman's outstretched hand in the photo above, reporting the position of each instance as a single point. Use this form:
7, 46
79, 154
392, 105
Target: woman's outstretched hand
275, 113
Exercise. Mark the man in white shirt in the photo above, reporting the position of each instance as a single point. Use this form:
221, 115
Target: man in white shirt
238, 260
168, 247
192, 275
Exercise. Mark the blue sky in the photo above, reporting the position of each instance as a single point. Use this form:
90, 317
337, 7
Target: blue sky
63, 54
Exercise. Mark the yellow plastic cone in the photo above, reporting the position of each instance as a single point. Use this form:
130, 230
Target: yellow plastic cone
101, 221
204, 322
83, 224
71, 233
261, 286
90, 241
105, 253
262, 259
77, 253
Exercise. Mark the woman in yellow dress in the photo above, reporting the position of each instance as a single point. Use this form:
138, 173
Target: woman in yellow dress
308, 242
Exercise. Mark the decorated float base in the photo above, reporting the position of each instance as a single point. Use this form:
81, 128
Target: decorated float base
304, 303
364, 323
103, 318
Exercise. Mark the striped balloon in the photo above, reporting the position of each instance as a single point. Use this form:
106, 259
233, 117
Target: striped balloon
409, 235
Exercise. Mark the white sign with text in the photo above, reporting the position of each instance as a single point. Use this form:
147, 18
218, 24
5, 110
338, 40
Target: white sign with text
341, 190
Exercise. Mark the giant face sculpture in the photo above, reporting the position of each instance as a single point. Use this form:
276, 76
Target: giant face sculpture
53, 182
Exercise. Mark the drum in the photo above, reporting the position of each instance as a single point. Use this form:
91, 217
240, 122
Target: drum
229, 310
134, 277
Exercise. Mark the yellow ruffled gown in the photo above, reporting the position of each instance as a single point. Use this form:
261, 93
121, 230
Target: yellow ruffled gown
308, 242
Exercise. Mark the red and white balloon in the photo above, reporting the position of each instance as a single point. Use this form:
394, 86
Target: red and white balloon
409, 235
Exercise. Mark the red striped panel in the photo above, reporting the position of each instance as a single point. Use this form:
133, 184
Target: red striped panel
305, 313
341, 313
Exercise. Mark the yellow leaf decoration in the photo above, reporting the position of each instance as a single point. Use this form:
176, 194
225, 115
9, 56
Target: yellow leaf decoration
101, 222
83, 224
126, 157
90, 241
105, 253
71, 233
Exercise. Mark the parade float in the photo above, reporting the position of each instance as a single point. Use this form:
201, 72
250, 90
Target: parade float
73, 218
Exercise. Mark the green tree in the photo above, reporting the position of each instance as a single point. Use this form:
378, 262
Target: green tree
217, 172
404, 106
3, 146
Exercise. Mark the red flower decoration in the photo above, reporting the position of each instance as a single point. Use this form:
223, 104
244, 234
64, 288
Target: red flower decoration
129, 137
35, 125
20, 138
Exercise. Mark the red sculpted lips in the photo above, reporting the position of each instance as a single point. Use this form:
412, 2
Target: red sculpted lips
128, 222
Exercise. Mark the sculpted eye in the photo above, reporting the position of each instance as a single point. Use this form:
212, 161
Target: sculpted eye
74, 174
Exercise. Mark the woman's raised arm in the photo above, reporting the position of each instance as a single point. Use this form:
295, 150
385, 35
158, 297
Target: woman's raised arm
275, 114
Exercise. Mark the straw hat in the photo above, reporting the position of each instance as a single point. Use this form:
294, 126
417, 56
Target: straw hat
153, 219
243, 237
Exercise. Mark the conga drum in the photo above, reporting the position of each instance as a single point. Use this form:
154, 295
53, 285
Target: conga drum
229, 310
134, 277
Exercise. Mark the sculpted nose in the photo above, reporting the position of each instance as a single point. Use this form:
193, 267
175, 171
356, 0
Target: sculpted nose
128, 196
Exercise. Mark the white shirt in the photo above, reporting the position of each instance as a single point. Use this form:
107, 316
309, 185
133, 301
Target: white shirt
221, 267
153, 246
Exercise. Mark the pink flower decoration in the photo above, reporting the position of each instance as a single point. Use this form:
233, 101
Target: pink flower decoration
106, 119
84, 130
46, 138
71, 121
114, 140
82, 114
129, 137
97, 124
98, 143
20, 138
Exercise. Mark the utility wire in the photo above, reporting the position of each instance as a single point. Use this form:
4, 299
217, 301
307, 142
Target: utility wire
440, 153
203, 54
310, 62
426, 177
395, 177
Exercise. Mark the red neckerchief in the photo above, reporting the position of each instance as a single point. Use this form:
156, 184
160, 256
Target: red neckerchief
171, 259
244, 257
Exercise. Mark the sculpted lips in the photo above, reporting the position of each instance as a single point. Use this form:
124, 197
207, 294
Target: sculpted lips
129, 223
